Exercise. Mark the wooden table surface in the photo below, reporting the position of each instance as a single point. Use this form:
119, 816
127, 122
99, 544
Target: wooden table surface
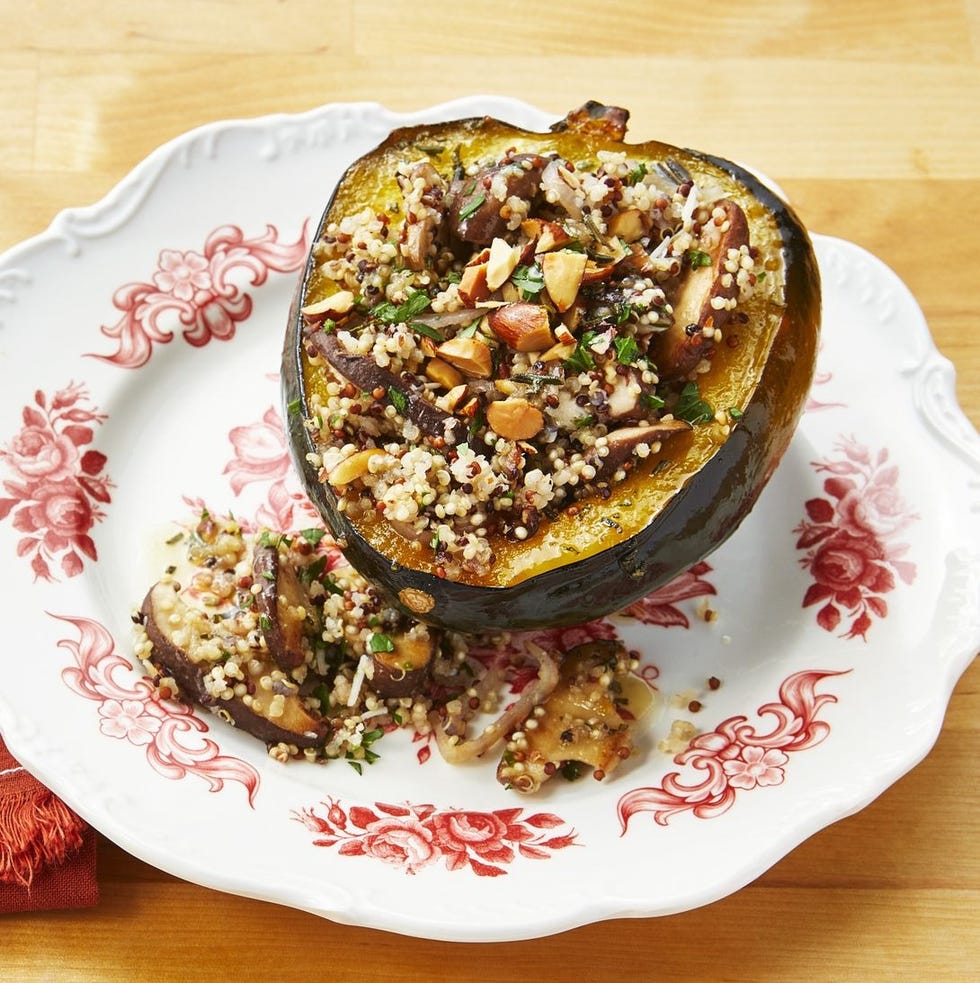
866, 112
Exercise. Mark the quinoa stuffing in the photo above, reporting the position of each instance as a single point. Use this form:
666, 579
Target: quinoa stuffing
508, 338
278, 636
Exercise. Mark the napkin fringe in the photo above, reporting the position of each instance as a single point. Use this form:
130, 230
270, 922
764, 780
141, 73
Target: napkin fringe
36, 829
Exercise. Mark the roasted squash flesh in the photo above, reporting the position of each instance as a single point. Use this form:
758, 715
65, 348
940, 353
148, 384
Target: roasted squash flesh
623, 333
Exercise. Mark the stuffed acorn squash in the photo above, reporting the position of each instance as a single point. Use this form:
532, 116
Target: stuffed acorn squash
530, 377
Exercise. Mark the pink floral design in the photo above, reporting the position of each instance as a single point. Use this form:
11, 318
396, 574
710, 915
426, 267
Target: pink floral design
736, 757
198, 293
57, 483
848, 536
660, 606
411, 837
132, 709
260, 455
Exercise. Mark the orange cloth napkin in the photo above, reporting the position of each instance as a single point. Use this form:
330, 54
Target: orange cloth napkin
47, 853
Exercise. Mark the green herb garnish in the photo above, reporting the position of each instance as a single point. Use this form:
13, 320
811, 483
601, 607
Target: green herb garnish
697, 258
691, 407
418, 301
313, 536
581, 359
735, 413
627, 350
651, 401
380, 643
529, 280
398, 399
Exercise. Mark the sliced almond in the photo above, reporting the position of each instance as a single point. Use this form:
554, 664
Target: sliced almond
514, 419
353, 467
336, 304
470, 356
562, 271
501, 263
522, 326
443, 373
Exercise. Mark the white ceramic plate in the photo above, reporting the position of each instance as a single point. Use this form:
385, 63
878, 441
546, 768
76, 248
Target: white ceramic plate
139, 348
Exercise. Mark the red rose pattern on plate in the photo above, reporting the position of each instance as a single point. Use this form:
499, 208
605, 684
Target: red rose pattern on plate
57, 482
410, 837
849, 537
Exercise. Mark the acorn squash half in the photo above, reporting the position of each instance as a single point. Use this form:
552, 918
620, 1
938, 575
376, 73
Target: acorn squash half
530, 377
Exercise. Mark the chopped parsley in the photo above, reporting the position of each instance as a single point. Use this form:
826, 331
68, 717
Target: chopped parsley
313, 536
698, 258
581, 359
735, 413
398, 399
637, 174
651, 401
418, 301
529, 280
691, 407
380, 643
627, 350
425, 329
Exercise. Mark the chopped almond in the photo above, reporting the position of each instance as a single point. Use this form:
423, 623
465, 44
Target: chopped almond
472, 286
501, 263
470, 356
353, 467
514, 419
443, 373
562, 271
449, 402
522, 326
549, 235
336, 304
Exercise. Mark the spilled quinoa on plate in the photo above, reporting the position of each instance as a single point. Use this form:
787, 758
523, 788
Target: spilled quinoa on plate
278, 636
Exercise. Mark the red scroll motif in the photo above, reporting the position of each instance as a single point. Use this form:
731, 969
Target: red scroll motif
132, 709
736, 757
199, 293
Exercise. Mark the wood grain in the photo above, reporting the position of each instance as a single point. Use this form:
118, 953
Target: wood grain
865, 112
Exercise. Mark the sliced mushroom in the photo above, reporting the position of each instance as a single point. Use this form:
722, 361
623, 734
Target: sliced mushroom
476, 201
699, 307
365, 373
623, 442
183, 648
283, 607
579, 722
403, 670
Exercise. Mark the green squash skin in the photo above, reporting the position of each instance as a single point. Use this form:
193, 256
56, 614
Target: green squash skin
696, 521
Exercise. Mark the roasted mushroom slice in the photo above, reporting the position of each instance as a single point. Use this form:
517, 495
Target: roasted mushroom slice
368, 376
701, 306
186, 645
285, 615
579, 723
400, 662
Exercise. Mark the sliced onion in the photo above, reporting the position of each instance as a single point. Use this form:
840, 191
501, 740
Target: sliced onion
457, 752
555, 181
